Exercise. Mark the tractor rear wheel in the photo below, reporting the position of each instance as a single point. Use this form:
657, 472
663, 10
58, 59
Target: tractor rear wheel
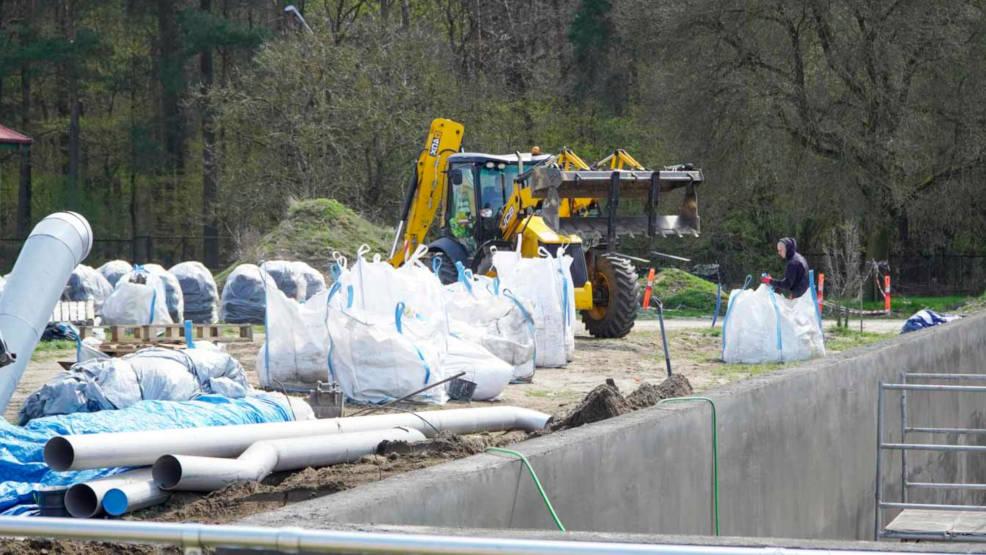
614, 297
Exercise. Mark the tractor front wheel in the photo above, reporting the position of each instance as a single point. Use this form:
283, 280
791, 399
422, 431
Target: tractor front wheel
614, 292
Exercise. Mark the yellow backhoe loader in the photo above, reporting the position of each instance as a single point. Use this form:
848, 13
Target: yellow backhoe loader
489, 200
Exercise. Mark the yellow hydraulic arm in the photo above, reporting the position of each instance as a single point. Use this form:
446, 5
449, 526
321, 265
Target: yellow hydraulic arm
426, 190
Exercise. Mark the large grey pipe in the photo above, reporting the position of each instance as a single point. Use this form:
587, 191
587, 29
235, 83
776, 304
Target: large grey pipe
133, 496
188, 473
55, 247
85, 500
74, 452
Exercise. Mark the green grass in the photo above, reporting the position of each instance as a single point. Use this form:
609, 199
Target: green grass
734, 372
906, 306
49, 348
56, 345
680, 290
841, 339
542, 394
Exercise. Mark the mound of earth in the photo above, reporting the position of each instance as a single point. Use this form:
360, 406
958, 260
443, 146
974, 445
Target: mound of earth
678, 289
312, 230
606, 401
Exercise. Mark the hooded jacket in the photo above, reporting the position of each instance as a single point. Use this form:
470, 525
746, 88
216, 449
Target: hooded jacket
796, 274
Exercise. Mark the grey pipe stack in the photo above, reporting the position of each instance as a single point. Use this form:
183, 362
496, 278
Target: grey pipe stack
74, 452
55, 247
88, 499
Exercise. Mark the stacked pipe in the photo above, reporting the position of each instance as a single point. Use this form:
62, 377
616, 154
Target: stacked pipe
210, 458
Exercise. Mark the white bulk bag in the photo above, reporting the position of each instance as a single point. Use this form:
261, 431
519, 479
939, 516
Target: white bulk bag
172, 288
763, 326
376, 288
295, 350
499, 322
564, 279
535, 280
375, 358
490, 374
137, 304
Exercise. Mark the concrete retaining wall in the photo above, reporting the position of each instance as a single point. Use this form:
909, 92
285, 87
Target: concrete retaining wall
796, 457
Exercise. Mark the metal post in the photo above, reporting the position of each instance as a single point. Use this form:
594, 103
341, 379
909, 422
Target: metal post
879, 441
664, 338
614, 201
903, 439
652, 199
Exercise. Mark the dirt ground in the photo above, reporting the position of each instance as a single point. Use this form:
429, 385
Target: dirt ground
629, 362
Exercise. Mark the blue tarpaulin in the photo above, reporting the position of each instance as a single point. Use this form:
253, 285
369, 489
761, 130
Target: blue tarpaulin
22, 466
926, 319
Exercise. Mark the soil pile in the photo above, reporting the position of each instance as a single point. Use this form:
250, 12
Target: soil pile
311, 231
647, 395
606, 401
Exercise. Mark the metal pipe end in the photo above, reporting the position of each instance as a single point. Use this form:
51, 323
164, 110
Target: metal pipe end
166, 471
81, 501
115, 502
59, 454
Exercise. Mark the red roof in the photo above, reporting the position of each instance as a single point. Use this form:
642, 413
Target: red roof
9, 136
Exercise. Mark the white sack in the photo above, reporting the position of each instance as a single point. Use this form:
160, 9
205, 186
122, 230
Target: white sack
763, 326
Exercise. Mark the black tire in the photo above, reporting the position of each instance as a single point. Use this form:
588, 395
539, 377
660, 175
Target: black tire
615, 292
446, 272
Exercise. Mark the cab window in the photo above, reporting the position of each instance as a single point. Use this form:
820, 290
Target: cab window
463, 208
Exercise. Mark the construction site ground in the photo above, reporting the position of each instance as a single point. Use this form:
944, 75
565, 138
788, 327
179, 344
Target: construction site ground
629, 362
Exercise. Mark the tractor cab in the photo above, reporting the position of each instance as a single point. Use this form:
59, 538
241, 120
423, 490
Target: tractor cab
481, 184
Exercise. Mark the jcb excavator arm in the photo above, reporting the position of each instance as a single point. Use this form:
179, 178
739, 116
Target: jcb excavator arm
426, 191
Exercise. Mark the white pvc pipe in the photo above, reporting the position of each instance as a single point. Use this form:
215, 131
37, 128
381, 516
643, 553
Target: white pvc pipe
294, 540
132, 496
74, 452
188, 473
55, 247
85, 500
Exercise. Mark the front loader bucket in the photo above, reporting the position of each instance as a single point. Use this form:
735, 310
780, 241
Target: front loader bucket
553, 185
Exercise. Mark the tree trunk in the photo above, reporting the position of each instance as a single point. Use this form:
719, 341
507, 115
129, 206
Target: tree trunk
73, 148
24, 192
172, 83
210, 174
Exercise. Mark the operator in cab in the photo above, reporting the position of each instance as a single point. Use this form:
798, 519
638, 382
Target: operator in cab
795, 274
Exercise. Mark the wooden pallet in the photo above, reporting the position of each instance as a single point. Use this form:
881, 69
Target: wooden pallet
75, 312
172, 334
120, 349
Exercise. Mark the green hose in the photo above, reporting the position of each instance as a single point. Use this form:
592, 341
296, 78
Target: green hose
715, 455
537, 482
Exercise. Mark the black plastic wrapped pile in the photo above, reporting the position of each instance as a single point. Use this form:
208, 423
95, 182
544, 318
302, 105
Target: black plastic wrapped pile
199, 291
243, 300
314, 280
114, 270
86, 282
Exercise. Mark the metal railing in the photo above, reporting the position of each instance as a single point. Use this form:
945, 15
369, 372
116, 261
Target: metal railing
192, 537
904, 447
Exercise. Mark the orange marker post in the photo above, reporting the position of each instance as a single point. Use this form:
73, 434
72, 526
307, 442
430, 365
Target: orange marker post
886, 293
650, 284
821, 291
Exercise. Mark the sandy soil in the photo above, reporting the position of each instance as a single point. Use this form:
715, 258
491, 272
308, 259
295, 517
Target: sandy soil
630, 361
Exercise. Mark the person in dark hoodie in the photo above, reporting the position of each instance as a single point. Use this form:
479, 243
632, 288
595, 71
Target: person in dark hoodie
796, 274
